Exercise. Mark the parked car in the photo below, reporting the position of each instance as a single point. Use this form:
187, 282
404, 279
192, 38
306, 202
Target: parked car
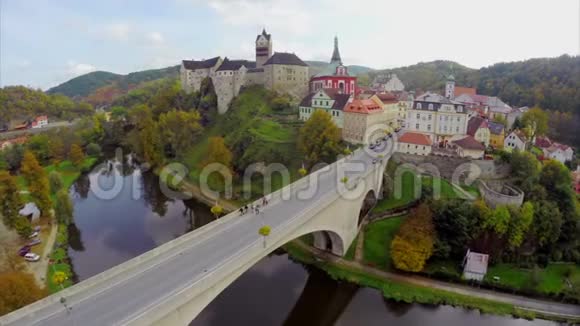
34, 242
33, 235
36, 228
375, 161
23, 251
372, 146
398, 129
31, 257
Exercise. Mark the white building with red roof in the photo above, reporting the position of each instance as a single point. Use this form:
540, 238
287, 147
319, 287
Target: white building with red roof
516, 140
414, 143
559, 152
469, 147
40, 121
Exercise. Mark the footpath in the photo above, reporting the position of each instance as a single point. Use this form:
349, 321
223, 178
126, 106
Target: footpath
40, 268
542, 307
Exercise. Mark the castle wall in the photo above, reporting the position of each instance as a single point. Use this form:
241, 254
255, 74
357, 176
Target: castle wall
223, 82
287, 79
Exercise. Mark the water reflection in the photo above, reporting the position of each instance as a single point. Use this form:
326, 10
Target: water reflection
109, 232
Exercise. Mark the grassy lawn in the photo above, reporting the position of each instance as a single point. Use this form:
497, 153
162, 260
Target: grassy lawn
378, 237
67, 170
550, 279
351, 251
406, 197
53, 268
273, 132
447, 190
404, 292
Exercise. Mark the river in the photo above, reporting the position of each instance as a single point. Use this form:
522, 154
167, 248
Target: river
276, 291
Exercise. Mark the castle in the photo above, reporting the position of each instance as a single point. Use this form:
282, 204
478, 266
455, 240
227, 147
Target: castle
281, 72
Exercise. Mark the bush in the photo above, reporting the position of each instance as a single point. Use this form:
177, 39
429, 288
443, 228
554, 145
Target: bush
23, 227
557, 255
94, 149
55, 181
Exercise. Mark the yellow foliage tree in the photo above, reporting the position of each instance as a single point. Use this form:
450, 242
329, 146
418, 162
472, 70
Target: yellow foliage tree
76, 155
413, 244
18, 289
319, 139
37, 181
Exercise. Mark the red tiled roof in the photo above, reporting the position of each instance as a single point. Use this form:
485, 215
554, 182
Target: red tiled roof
474, 124
415, 138
464, 90
543, 142
363, 106
469, 143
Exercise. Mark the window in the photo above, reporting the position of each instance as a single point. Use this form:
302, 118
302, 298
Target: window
419, 106
458, 119
457, 129
417, 126
416, 146
428, 127
430, 106
429, 117
418, 116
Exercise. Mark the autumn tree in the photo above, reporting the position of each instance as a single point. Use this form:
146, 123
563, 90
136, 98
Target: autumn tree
37, 182
64, 207
521, 221
56, 150
11, 202
413, 244
535, 121
18, 289
55, 182
76, 155
219, 153
179, 130
145, 139
319, 139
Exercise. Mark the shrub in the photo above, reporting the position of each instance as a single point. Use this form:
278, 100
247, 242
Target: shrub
94, 149
55, 182
23, 227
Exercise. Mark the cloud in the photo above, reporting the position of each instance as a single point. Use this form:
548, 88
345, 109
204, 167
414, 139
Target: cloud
117, 31
76, 69
286, 16
155, 38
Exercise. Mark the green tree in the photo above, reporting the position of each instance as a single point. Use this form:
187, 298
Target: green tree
37, 182
18, 289
76, 155
413, 244
499, 220
547, 223
11, 202
64, 207
56, 150
145, 139
55, 182
39, 145
94, 150
179, 130
23, 227
525, 170
520, 224
13, 156
319, 139
219, 153
536, 121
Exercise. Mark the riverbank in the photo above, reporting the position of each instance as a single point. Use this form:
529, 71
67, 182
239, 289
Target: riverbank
422, 290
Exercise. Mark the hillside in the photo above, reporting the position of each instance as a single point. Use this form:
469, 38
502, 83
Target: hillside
429, 75
550, 83
85, 85
318, 66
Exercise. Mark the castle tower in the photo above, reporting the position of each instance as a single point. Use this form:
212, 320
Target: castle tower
450, 85
263, 48
335, 54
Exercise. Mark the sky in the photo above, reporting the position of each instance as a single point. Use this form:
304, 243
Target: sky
46, 42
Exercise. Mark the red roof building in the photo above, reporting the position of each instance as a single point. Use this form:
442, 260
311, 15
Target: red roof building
335, 75
415, 138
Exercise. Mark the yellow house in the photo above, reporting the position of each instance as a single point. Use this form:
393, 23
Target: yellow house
497, 134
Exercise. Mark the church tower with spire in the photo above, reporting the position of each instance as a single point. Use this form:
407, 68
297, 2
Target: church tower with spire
336, 60
263, 48
450, 84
